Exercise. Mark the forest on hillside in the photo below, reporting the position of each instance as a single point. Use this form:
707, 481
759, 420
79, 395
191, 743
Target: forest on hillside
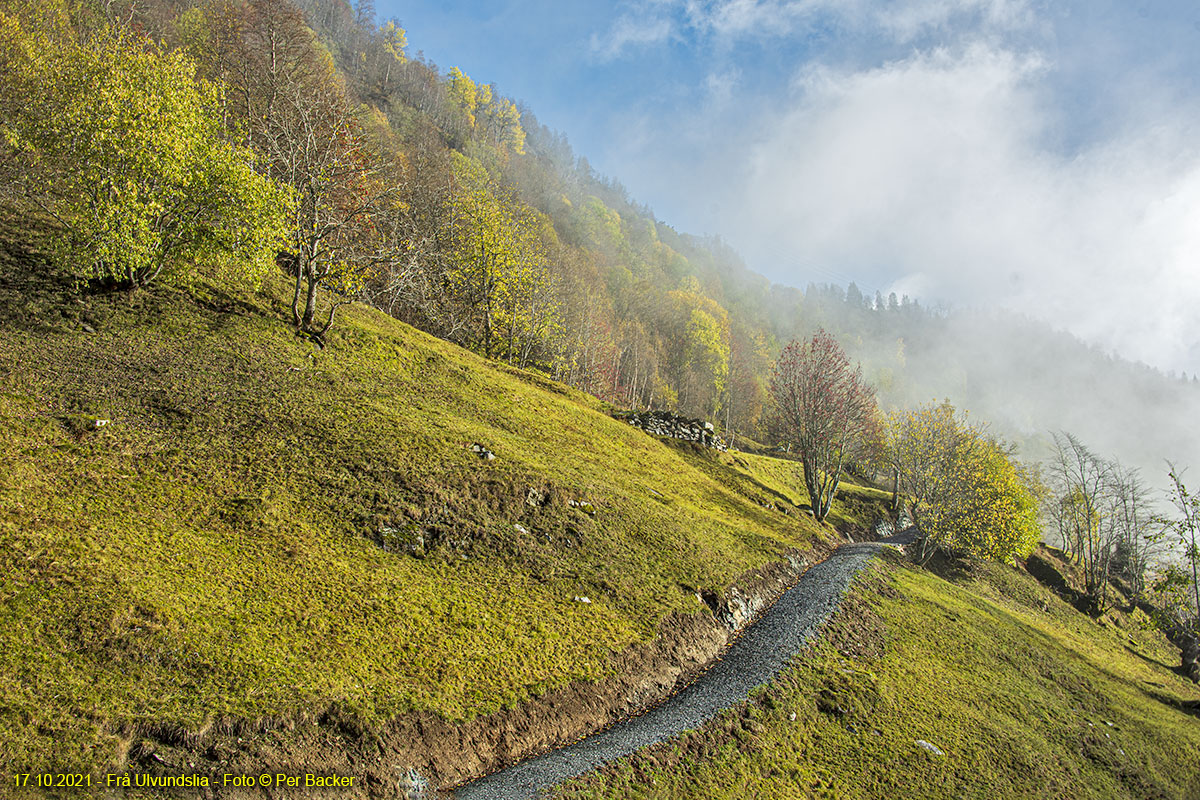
221, 142
429, 194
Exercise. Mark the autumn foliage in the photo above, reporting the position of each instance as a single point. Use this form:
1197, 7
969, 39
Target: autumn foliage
827, 410
116, 141
965, 493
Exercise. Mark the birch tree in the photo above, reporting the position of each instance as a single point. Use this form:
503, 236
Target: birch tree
1187, 527
500, 267
1081, 481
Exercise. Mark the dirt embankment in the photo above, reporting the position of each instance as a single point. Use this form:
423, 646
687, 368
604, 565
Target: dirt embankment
445, 754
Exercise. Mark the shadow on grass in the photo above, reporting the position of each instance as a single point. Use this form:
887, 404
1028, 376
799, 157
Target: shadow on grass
1152, 661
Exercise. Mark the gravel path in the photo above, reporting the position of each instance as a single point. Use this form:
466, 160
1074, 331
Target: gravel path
756, 657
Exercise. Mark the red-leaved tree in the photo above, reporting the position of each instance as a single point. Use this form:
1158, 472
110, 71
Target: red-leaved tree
827, 410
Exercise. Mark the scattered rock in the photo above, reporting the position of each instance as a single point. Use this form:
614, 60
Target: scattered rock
412, 785
583, 506
100, 423
739, 610
1190, 657
535, 497
409, 539
87, 328
582, 599
482, 452
798, 564
933, 748
521, 529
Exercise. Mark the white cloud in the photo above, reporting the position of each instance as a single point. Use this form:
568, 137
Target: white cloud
631, 30
654, 21
720, 88
972, 168
906, 22
932, 175
737, 18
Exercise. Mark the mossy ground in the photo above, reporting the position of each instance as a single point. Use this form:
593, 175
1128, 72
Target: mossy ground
1024, 696
211, 551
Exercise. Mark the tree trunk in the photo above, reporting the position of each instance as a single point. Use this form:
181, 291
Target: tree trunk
487, 331
1190, 656
296, 318
310, 302
828, 501
816, 488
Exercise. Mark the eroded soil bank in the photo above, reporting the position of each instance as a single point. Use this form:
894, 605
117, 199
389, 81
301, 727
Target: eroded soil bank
444, 754
754, 659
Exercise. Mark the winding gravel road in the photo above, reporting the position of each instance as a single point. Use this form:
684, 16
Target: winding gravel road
756, 657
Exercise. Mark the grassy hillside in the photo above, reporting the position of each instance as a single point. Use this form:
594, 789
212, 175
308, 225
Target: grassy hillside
202, 517
1023, 696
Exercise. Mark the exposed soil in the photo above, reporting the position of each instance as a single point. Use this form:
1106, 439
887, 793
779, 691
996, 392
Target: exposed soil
755, 659
856, 630
446, 754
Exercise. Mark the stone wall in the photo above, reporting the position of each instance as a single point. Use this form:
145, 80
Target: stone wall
664, 423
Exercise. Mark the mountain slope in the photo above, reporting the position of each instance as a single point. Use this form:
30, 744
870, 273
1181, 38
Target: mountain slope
203, 519
1021, 695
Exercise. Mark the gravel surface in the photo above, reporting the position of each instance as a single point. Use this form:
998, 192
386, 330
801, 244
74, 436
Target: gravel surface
756, 657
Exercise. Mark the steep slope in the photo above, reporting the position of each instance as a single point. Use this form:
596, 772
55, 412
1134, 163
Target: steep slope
756, 658
988, 686
208, 525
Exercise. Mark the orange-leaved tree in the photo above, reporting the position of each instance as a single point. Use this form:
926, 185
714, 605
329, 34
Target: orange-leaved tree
298, 115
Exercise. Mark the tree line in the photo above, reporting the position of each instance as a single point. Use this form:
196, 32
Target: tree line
309, 136
962, 487
306, 135
967, 494
161, 140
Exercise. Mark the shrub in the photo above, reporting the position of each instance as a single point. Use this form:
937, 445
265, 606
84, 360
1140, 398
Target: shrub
966, 495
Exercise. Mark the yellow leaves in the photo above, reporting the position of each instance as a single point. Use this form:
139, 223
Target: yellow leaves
464, 92
125, 149
501, 263
394, 40
967, 494
603, 225
496, 117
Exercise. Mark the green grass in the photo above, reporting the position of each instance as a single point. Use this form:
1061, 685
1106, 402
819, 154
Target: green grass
1023, 703
211, 552
780, 482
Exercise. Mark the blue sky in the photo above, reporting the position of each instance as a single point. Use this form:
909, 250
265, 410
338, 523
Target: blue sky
1039, 156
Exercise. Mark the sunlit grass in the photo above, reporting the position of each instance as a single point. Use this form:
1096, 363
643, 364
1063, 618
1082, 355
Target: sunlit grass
1021, 702
209, 551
